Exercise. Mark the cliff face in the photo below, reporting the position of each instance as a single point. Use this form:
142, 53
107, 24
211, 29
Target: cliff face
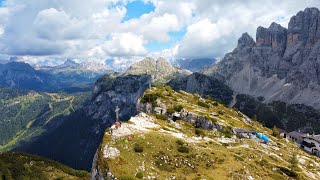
282, 64
203, 85
116, 90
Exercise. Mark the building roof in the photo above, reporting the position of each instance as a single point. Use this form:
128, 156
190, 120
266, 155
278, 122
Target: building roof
281, 130
296, 134
238, 130
314, 137
309, 145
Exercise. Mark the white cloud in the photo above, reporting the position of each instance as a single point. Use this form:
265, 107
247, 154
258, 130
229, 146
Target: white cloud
217, 24
125, 44
82, 29
202, 36
152, 26
57, 27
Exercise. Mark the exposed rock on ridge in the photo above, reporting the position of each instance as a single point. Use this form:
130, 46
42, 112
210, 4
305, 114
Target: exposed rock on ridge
203, 85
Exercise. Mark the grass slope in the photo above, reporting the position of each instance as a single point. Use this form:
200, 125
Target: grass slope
178, 150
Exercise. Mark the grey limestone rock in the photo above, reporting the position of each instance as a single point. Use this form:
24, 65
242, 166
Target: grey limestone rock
283, 64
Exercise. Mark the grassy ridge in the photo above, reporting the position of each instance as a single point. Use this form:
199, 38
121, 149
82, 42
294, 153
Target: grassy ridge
178, 150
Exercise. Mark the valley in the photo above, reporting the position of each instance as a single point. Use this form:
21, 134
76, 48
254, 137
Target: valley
26, 114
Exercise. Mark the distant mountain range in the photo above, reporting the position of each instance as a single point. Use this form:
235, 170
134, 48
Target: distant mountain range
69, 76
70, 66
22, 75
195, 65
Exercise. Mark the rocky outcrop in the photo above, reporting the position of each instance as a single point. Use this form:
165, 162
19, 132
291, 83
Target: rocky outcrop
282, 64
195, 119
203, 85
97, 173
160, 70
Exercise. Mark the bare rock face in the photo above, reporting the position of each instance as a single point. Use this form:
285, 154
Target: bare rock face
282, 64
203, 85
116, 90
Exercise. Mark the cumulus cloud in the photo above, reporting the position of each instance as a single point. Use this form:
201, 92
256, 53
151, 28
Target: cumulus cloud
56, 27
125, 44
96, 29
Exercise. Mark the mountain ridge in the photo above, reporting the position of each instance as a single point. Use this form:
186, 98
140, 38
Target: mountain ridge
282, 64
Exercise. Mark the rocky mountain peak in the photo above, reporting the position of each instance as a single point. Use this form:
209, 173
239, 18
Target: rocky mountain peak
147, 60
275, 26
162, 60
283, 65
275, 36
304, 27
160, 70
70, 62
245, 41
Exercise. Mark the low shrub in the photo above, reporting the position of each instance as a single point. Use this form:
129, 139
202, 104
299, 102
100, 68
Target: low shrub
227, 131
139, 175
220, 112
209, 97
161, 116
180, 142
138, 148
203, 104
275, 132
288, 172
168, 88
178, 107
183, 149
199, 132
214, 120
215, 103
170, 111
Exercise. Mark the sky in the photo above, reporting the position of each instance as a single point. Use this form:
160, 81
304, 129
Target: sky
121, 32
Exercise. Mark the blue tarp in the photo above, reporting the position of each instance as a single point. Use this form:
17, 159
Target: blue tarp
263, 137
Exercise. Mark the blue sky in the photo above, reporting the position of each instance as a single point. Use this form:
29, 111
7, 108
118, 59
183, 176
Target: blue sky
175, 37
137, 8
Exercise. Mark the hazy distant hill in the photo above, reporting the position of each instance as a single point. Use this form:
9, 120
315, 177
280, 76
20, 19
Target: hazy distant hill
195, 65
